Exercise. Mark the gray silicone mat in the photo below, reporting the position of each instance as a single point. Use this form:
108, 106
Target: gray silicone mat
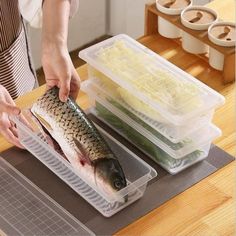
161, 189
26, 210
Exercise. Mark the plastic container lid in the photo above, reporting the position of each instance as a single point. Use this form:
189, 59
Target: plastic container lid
176, 150
27, 209
222, 34
169, 90
137, 172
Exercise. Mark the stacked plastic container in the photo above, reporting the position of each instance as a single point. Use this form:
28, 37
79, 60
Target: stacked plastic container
158, 107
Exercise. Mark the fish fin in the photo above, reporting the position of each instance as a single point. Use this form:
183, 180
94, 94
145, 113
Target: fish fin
43, 121
48, 137
95, 164
83, 154
95, 176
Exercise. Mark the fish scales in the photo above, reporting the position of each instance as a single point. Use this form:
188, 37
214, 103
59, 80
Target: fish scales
74, 124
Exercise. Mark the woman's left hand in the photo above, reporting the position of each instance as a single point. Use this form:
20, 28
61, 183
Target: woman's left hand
59, 71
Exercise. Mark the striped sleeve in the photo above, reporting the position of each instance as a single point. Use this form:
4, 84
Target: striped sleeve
31, 11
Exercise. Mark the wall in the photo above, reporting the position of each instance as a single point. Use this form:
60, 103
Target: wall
99, 17
127, 16
88, 24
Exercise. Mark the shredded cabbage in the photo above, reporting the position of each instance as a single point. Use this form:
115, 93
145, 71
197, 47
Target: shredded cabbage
104, 81
140, 106
139, 69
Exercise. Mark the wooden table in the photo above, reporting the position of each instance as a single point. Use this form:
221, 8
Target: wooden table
208, 207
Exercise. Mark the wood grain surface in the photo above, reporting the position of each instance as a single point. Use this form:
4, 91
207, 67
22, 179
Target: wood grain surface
207, 208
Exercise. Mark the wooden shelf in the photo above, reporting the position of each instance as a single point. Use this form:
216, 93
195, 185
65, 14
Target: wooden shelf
151, 27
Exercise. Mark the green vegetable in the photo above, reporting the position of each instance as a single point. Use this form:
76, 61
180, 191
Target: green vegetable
174, 146
143, 143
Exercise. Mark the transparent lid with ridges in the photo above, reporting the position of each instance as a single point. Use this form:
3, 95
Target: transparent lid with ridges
28, 200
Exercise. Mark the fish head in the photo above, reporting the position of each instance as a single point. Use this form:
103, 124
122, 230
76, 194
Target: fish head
110, 171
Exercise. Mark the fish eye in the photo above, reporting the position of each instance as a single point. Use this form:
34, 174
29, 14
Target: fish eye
118, 184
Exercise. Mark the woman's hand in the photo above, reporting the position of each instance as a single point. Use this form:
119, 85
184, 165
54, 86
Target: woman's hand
57, 65
59, 71
8, 107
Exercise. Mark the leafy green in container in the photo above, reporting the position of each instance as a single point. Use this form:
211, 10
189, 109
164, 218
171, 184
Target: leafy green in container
142, 142
174, 146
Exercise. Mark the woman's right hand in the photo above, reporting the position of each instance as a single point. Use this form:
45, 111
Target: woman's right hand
7, 127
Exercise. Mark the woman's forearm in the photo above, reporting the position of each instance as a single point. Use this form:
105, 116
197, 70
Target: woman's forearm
57, 65
55, 24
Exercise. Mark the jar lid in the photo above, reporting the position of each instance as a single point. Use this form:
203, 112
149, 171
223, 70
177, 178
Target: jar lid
223, 34
172, 7
198, 17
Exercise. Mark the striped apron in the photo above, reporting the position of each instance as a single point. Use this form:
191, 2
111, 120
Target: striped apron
16, 71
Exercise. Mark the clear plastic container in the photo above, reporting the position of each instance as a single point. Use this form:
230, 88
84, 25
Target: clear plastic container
175, 133
170, 164
138, 122
175, 94
137, 172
